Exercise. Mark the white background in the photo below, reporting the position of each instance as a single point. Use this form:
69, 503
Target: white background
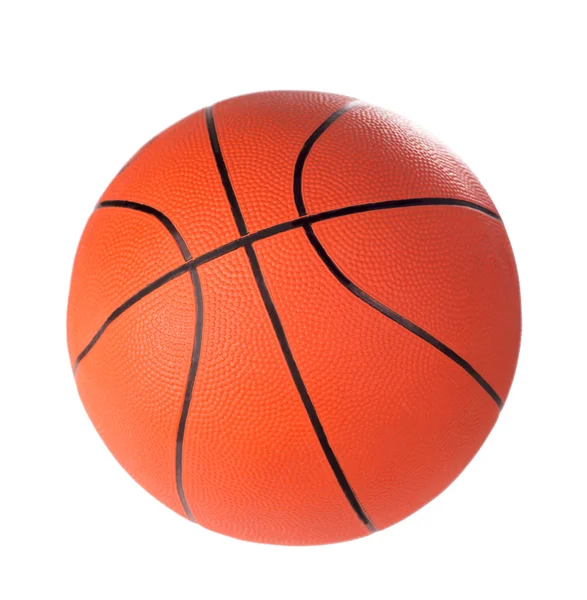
85, 84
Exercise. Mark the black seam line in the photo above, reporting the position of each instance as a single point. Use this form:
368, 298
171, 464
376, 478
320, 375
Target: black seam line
394, 316
223, 171
305, 151
303, 392
280, 332
196, 349
151, 287
172, 229
303, 155
269, 232
164, 219
356, 290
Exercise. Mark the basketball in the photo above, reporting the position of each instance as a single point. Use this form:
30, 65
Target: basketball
294, 317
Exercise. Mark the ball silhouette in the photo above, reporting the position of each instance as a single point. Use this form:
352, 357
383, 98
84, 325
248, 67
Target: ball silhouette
294, 317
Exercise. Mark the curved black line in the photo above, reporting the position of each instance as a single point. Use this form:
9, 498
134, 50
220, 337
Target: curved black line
394, 316
356, 290
165, 220
179, 240
196, 348
349, 210
280, 332
275, 230
303, 155
151, 287
303, 392
355, 209
223, 171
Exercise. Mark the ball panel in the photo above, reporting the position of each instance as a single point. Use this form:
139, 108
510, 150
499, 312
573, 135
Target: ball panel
261, 136
371, 154
133, 381
402, 418
253, 467
176, 174
120, 252
448, 269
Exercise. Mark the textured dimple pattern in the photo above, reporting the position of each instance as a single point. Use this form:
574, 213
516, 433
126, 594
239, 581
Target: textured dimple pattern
371, 154
253, 466
133, 382
121, 251
176, 174
261, 136
448, 269
402, 418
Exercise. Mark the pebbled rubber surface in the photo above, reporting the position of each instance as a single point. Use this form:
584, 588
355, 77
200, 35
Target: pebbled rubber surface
463, 293
277, 405
403, 419
121, 251
261, 136
133, 383
372, 154
260, 473
176, 174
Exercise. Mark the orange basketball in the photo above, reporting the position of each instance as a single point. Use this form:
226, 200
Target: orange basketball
294, 317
